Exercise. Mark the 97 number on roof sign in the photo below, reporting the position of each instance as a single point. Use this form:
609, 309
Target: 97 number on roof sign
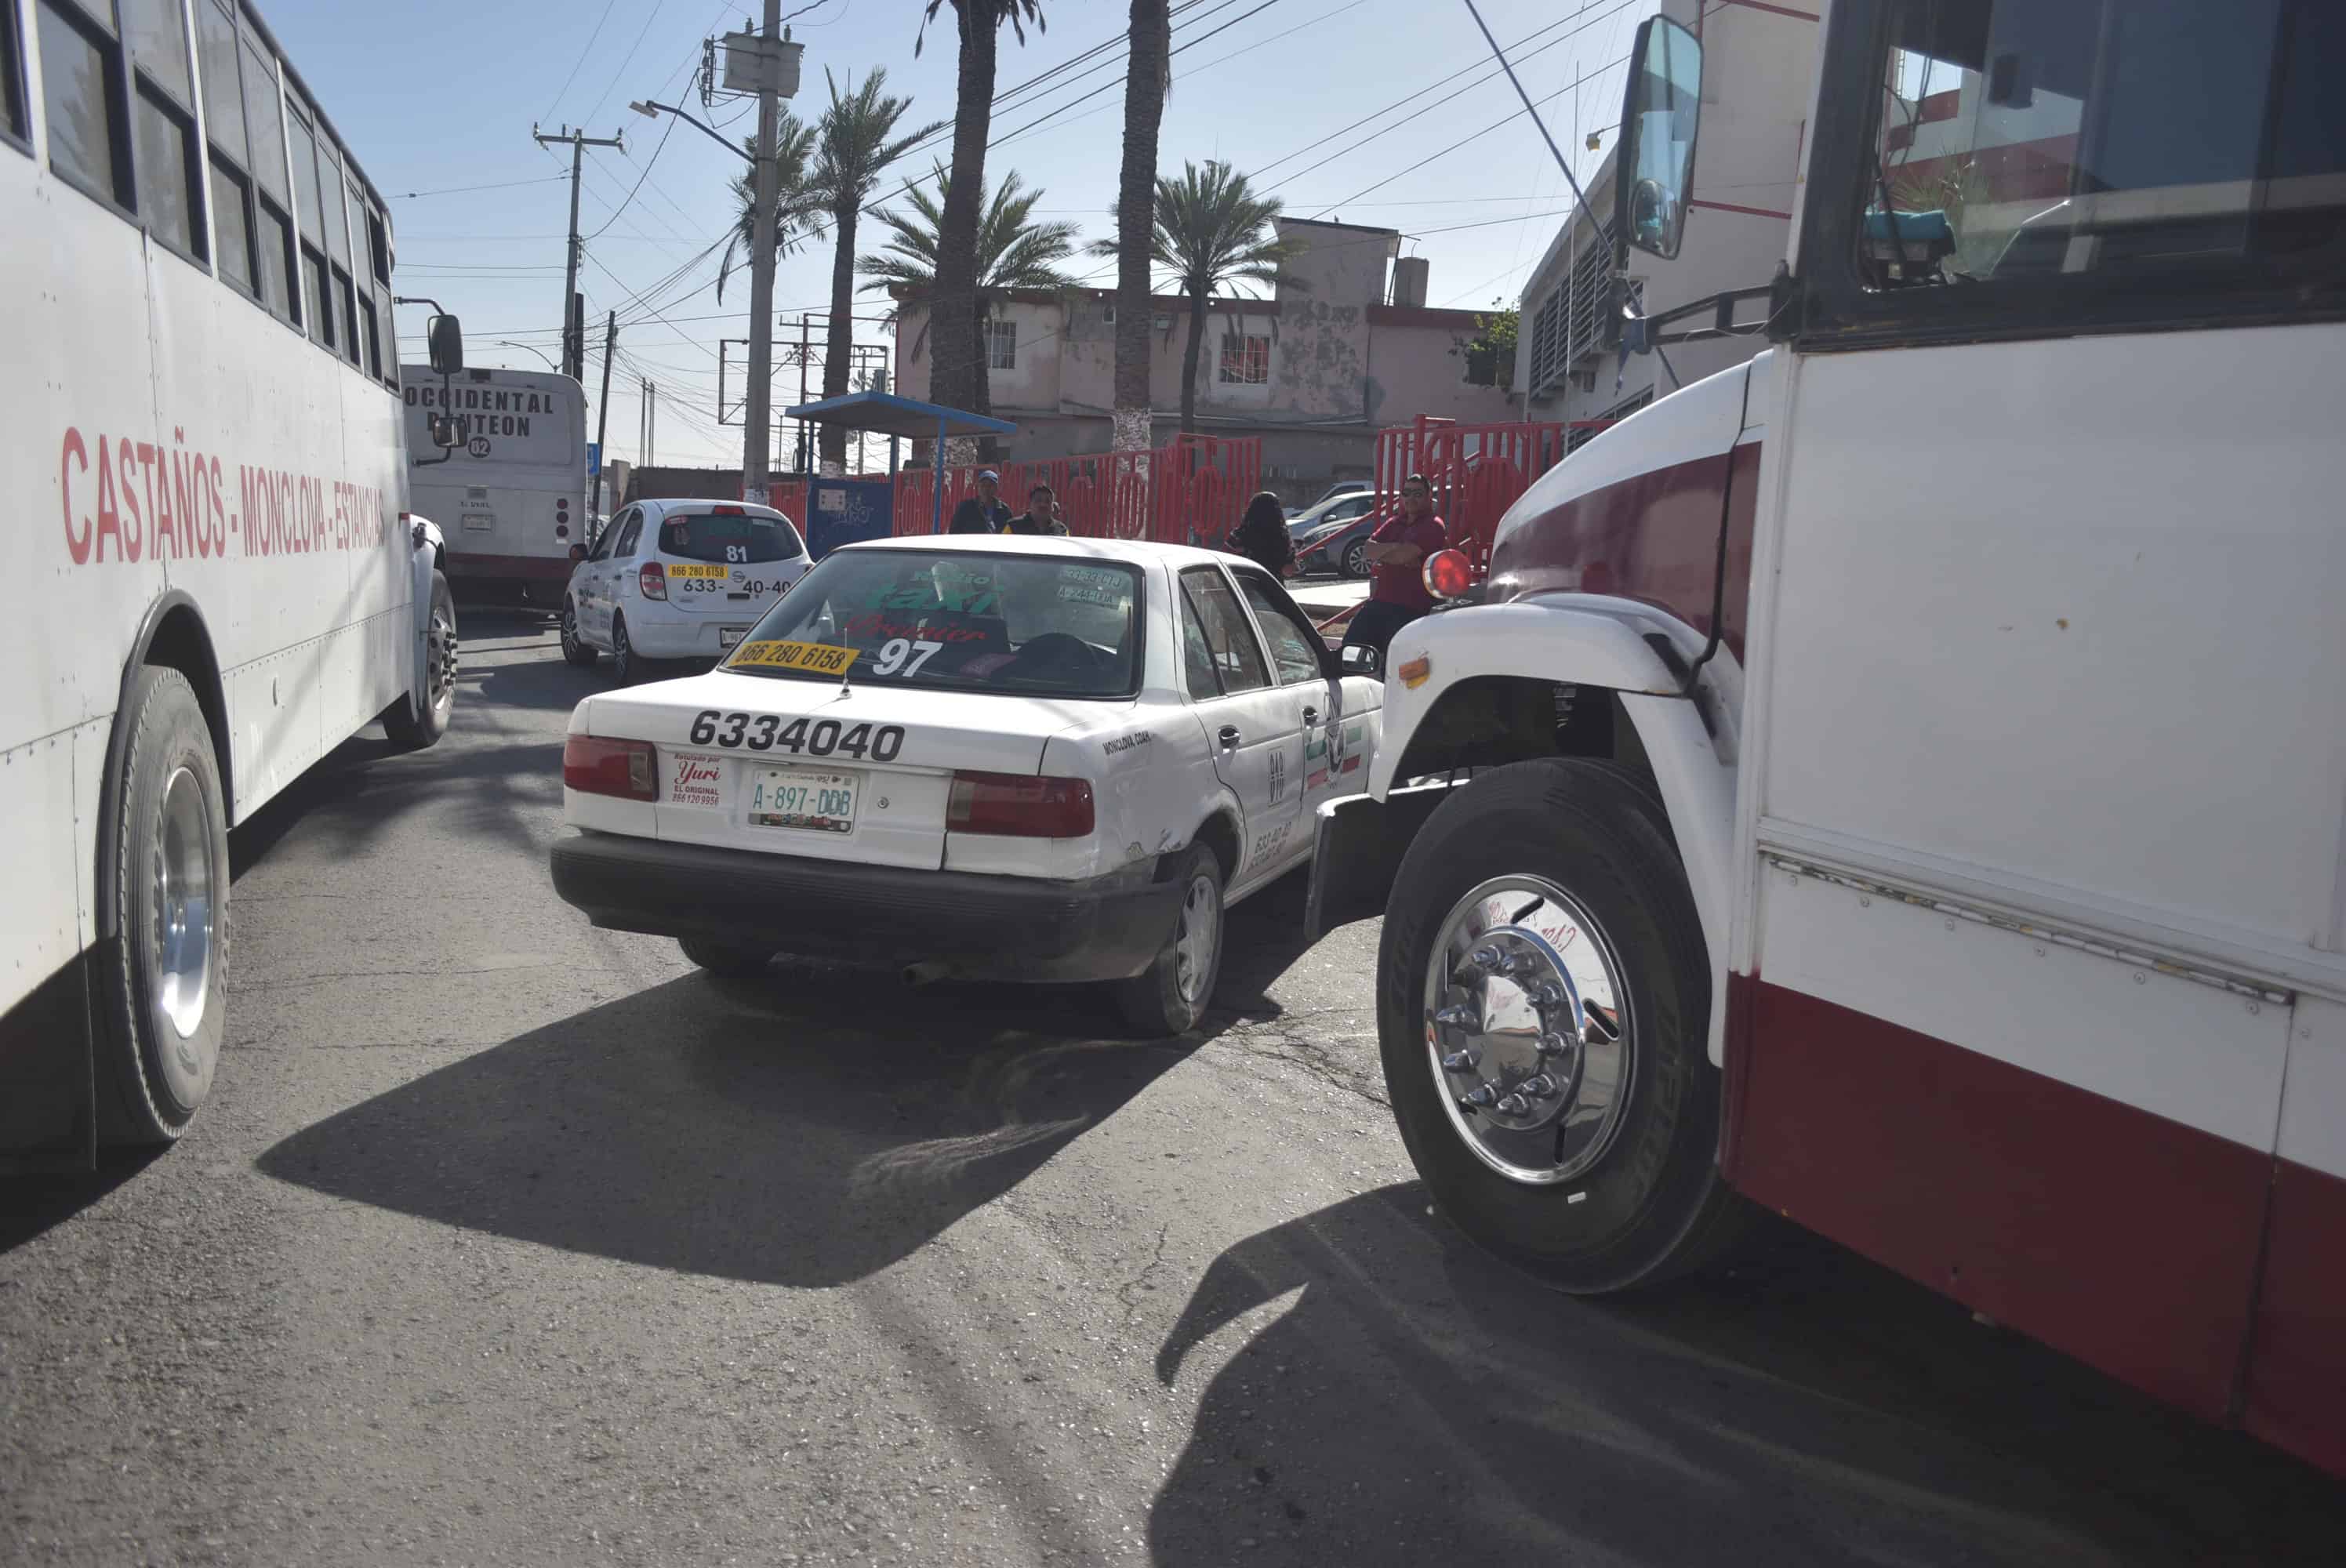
821, 738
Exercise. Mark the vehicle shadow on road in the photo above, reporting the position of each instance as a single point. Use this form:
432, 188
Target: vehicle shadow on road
1418, 1402
805, 1128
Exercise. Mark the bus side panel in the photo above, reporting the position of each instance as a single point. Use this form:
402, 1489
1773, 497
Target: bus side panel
44, 1063
304, 452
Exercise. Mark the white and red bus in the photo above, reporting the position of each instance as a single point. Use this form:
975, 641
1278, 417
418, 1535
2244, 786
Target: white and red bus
1907, 787
513, 494
218, 578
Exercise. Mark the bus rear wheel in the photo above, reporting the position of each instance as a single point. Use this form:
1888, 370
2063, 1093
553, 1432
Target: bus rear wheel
1542, 1012
165, 855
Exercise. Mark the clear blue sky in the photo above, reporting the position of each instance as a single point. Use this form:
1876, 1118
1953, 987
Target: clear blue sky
439, 94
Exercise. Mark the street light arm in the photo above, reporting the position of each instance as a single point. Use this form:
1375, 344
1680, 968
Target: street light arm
509, 344
647, 107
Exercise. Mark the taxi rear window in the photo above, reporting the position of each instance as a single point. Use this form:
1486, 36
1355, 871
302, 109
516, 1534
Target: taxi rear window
1033, 625
727, 536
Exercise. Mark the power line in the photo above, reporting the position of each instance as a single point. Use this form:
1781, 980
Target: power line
587, 49
460, 190
639, 179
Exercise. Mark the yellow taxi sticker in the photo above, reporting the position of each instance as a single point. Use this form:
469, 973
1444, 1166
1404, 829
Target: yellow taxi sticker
690, 569
820, 657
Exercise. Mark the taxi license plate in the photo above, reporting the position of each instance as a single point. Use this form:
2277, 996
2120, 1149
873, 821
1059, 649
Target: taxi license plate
728, 636
802, 798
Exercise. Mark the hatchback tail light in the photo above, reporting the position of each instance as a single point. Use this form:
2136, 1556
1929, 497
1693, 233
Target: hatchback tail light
653, 580
595, 765
1019, 806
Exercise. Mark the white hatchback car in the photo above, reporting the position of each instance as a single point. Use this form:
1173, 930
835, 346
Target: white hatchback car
1022, 757
677, 580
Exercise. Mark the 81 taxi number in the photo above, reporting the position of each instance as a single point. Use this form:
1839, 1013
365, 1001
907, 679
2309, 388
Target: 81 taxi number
822, 738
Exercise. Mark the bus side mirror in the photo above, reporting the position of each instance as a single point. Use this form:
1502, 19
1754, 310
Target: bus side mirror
447, 431
446, 338
1661, 111
577, 553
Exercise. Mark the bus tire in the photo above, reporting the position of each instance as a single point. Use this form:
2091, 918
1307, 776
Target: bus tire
423, 719
575, 649
163, 996
1637, 1197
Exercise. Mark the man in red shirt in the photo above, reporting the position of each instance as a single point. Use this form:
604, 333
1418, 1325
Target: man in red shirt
1396, 553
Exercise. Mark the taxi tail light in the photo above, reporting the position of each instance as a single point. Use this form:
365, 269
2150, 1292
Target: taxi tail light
595, 765
1449, 575
1019, 806
653, 580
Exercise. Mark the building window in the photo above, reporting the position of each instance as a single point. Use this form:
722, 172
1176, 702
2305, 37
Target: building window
1246, 361
1001, 345
1583, 434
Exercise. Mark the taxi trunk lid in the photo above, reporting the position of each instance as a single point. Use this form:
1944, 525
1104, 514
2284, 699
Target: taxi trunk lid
815, 767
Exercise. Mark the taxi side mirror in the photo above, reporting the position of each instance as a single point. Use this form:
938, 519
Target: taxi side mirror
1359, 658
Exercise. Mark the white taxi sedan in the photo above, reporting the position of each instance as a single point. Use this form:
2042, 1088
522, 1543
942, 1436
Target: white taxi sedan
1017, 757
676, 579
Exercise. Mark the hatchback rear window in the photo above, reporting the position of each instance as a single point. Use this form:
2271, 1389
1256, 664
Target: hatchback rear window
1035, 625
737, 537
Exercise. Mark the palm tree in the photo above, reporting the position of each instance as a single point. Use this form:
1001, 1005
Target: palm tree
1013, 252
1145, 82
1211, 231
957, 368
857, 141
798, 206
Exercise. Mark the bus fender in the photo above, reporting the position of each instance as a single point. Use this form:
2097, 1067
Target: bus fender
1596, 642
197, 650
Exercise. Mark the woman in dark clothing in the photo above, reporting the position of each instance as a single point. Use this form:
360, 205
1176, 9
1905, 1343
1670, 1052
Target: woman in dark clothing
1261, 536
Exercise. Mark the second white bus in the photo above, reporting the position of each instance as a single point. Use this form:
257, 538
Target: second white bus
513, 495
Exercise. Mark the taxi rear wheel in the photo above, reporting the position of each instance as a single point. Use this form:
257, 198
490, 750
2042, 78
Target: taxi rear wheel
726, 960
1170, 996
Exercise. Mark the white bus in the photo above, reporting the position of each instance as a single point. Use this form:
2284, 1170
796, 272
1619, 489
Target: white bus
514, 496
219, 580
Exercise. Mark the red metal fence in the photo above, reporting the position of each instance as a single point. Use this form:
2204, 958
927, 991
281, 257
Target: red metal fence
1192, 490
1477, 471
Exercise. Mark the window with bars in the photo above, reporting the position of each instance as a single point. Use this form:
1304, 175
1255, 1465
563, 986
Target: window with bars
1246, 360
1582, 435
1570, 324
1002, 345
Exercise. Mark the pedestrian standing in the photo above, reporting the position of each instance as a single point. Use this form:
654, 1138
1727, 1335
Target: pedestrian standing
1261, 536
983, 513
1396, 552
1041, 517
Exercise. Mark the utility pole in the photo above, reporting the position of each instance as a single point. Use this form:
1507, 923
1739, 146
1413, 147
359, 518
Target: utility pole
758, 417
805, 347
574, 345
644, 433
603, 408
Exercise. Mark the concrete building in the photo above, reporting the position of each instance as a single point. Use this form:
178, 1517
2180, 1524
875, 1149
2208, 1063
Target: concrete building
1757, 76
1344, 347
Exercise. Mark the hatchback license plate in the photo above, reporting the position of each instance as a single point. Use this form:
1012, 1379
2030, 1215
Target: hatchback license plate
821, 803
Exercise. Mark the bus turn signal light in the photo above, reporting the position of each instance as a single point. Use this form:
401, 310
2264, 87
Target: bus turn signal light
1415, 672
1449, 575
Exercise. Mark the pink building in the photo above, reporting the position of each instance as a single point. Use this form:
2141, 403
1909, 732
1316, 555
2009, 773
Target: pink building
1345, 350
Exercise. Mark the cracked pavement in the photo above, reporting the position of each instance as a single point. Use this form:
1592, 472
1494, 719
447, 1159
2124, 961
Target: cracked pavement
509, 1241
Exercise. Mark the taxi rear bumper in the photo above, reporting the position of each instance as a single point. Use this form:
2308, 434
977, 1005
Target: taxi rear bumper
953, 922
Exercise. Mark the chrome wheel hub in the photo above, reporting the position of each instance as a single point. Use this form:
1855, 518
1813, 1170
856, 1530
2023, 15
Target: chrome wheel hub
182, 941
1527, 1031
440, 657
1194, 942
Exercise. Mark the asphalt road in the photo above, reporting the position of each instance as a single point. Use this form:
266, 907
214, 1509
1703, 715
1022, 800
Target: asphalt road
506, 1240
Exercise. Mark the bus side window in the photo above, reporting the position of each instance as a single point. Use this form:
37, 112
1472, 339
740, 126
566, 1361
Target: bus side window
15, 124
